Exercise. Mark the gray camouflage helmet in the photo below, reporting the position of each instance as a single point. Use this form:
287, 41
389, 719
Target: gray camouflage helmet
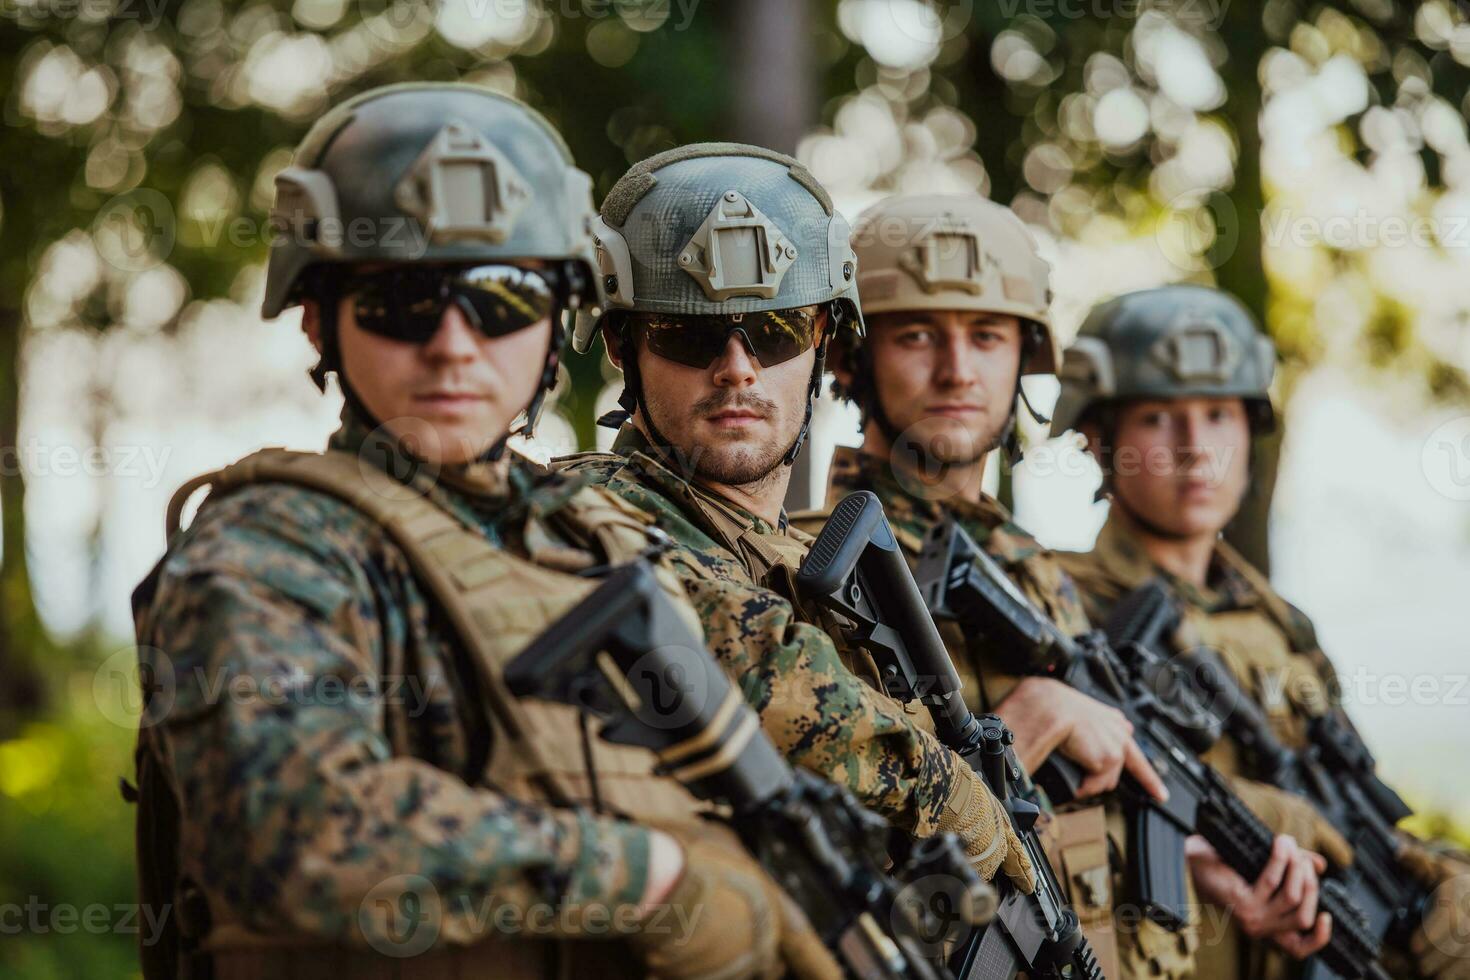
721, 228
430, 172
1177, 341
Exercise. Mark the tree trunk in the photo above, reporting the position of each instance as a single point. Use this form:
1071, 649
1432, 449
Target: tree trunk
775, 78
22, 637
774, 81
1240, 270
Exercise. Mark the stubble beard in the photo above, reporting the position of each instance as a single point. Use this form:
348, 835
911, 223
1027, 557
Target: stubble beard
737, 463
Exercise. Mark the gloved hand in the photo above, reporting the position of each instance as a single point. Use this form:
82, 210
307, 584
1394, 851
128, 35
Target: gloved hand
730, 919
1441, 944
983, 827
1292, 816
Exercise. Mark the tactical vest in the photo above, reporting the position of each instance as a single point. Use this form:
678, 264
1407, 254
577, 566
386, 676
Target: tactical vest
496, 603
1260, 646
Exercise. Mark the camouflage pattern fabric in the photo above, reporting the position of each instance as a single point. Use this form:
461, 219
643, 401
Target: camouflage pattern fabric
819, 714
1142, 949
1270, 646
322, 729
1033, 568
1268, 643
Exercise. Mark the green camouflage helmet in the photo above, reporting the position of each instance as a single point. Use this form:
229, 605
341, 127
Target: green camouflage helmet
720, 229
1176, 341
715, 228
430, 172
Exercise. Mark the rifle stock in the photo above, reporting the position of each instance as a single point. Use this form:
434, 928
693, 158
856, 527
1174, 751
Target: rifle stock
626, 655
857, 569
964, 582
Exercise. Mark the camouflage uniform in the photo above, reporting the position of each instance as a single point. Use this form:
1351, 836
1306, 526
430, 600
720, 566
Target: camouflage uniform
817, 712
1184, 341
333, 773
1041, 577
293, 809
927, 254
1271, 648
721, 240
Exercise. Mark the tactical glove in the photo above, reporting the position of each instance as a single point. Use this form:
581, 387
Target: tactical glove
1292, 815
1441, 944
978, 818
726, 919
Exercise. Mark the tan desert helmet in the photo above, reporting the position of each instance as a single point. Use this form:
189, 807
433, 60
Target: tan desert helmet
954, 252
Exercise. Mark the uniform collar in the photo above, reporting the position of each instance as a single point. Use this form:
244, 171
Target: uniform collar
1120, 552
986, 520
482, 495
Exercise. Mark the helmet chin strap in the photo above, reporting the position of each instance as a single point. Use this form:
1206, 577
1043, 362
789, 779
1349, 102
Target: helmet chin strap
835, 319
631, 400
1010, 440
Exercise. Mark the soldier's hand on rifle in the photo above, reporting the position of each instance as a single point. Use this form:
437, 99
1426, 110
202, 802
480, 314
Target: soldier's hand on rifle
1281, 905
1441, 944
983, 827
1047, 715
721, 915
1287, 813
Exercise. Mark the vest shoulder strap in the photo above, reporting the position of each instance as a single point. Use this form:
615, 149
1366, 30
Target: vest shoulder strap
619, 528
446, 557
1276, 607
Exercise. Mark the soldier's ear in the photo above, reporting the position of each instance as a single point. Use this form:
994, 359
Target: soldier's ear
612, 342
311, 322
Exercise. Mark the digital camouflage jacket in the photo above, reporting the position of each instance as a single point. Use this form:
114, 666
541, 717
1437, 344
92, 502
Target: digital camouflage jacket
913, 514
1087, 847
816, 710
323, 727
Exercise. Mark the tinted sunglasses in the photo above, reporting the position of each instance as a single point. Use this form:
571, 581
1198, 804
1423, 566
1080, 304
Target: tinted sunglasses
696, 341
406, 302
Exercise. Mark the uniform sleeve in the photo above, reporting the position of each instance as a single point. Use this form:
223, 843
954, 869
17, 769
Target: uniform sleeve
817, 712
294, 810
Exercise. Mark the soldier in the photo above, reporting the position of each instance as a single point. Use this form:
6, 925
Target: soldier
957, 302
1170, 386
332, 774
728, 271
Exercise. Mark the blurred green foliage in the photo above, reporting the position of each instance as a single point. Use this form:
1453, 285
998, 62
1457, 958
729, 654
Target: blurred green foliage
66, 844
180, 118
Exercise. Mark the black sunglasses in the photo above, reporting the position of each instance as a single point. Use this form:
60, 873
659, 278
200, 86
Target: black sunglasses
771, 336
406, 302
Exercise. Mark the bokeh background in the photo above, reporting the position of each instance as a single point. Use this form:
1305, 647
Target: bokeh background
1309, 156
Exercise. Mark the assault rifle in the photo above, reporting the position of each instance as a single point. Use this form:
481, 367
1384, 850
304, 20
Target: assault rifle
857, 569
962, 582
1337, 773
624, 654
